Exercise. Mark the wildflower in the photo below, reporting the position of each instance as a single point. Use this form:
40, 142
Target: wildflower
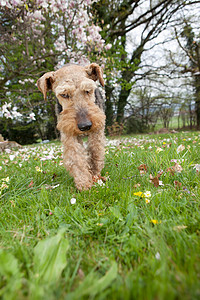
157, 256
100, 182
73, 201
99, 224
147, 194
12, 157
140, 194
186, 190
155, 222
38, 169
137, 185
174, 160
180, 148
7, 179
159, 150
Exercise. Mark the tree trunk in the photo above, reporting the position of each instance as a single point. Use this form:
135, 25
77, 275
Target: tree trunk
190, 115
127, 76
54, 120
109, 105
197, 101
121, 104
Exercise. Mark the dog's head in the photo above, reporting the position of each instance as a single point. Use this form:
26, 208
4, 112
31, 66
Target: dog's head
69, 74
75, 89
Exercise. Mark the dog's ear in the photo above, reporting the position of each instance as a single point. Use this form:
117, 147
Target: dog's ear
95, 72
45, 82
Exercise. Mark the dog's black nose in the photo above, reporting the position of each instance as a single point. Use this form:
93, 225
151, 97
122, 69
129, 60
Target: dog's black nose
85, 126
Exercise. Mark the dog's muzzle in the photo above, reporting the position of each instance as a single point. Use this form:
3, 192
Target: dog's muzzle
85, 126
83, 122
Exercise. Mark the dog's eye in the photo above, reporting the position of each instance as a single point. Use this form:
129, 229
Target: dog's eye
88, 92
65, 96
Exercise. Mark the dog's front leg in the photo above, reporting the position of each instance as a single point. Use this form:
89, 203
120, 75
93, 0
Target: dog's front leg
75, 159
96, 151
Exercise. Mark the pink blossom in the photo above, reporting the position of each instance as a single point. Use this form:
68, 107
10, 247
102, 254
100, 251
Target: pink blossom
3, 3
32, 116
8, 115
37, 15
108, 46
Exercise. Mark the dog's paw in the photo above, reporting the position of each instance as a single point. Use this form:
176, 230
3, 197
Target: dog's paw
84, 186
84, 183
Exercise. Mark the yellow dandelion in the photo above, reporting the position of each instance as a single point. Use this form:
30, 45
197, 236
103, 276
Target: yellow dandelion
155, 222
140, 194
38, 169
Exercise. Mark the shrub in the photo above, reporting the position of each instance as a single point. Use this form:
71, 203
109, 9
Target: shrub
135, 125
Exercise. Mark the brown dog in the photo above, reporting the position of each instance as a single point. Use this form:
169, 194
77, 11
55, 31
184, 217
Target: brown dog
80, 114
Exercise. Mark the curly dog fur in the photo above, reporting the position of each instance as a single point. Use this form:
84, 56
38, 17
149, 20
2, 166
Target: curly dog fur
80, 114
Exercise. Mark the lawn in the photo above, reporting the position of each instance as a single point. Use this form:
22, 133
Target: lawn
134, 236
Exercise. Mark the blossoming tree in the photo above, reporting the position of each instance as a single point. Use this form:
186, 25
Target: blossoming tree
35, 37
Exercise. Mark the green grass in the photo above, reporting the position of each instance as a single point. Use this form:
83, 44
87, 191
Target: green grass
105, 246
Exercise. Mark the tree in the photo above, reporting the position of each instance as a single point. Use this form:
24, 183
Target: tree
191, 50
35, 37
126, 17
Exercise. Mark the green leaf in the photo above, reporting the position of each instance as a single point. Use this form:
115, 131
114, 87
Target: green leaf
8, 264
50, 258
9, 270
